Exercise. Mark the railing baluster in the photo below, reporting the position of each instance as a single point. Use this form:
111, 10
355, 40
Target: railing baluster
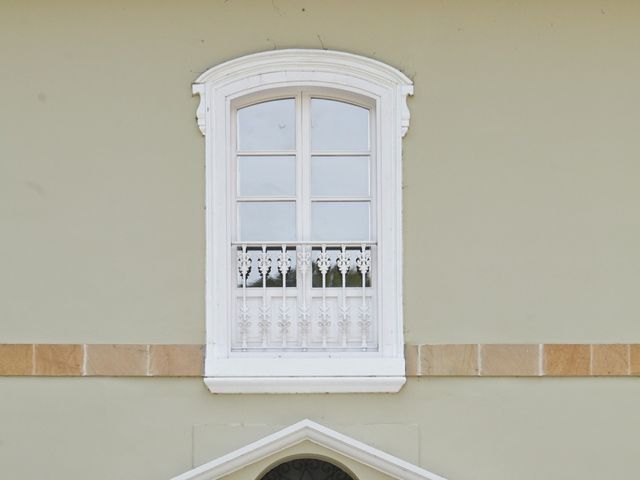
344, 264
323, 266
264, 265
244, 265
304, 260
284, 263
363, 262
345, 316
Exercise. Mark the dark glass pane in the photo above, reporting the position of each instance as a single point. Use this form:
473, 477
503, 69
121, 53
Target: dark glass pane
353, 278
274, 277
338, 126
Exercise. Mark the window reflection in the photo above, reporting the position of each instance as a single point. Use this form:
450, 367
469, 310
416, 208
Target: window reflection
339, 221
340, 176
267, 126
338, 126
273, 276
272, 175
333, 278
267, 221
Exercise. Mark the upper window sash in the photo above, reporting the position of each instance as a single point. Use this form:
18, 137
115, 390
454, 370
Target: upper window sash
310, 185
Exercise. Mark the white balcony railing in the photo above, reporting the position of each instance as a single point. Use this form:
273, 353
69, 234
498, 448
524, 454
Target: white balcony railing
304, 297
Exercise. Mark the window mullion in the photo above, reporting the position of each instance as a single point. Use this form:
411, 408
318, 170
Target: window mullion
305, 127
305, 167
300, 189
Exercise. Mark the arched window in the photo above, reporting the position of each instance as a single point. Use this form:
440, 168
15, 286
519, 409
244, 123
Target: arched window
304, 236
306, 469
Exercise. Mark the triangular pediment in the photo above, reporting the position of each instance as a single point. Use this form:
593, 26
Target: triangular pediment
303, 432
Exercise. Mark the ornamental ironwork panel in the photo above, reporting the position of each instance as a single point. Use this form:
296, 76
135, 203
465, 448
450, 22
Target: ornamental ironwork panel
306, 469
303, 296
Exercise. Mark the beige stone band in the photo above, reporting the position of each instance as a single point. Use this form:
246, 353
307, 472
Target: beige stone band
111, 360
453, 360
523, 360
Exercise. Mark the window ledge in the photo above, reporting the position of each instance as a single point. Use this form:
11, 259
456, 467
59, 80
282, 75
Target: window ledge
304, 384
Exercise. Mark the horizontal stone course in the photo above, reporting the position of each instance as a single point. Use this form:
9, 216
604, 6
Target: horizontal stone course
117, 360
567, 360
448, 360
424, 360
519, 360
176, 360
610, 360
16, 359
58, 360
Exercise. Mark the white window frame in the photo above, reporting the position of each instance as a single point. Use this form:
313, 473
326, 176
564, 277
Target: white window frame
387, 90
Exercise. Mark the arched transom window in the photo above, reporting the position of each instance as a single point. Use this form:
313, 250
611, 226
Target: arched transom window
306, 469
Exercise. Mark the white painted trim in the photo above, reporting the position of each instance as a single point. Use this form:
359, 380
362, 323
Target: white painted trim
338, 365
306, 430
305, 384
303, 59
387, 90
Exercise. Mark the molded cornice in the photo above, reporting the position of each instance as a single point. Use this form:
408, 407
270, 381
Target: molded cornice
306, 430
303, 60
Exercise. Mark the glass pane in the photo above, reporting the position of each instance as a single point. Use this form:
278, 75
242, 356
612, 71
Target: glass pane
267, 221
340, 176
337, 221
267, 126
338, 126
267, 175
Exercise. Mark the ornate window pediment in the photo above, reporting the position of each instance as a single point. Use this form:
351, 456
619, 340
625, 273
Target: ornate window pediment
303, 441
304, 222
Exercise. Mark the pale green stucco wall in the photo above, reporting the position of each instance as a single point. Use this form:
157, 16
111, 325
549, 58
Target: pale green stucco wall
521, 223
470, 429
